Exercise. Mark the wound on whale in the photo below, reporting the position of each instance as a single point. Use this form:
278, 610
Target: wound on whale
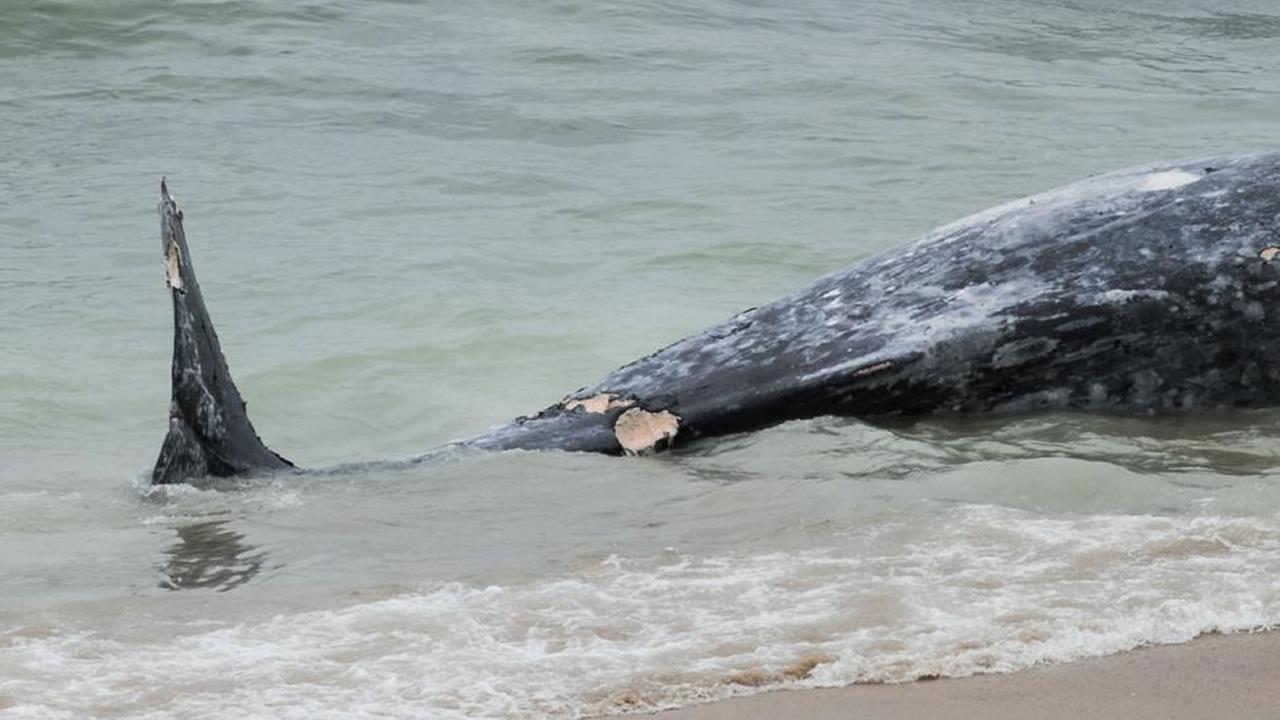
1152, 289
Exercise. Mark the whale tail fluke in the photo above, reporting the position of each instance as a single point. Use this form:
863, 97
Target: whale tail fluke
209, 429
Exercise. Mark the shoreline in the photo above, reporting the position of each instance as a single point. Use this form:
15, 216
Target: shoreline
1225, 677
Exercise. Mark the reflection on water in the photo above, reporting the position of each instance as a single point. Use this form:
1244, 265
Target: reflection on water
1226, 443
1178, 448
210, 555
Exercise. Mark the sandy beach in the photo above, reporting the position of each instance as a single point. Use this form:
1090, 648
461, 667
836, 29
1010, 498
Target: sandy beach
1223, 677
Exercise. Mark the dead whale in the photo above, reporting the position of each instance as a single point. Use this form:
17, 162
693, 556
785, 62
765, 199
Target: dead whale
1152, 289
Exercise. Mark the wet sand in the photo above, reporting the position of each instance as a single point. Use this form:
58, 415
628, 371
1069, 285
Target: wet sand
1224, 677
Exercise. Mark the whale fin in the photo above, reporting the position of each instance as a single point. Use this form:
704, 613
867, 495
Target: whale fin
209, 430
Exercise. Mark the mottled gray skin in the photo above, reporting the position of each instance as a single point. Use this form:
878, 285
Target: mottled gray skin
209, 430
1140, 291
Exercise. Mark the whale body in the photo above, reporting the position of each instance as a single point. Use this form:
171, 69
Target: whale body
1148, 290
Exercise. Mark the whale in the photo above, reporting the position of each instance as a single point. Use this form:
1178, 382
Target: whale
1154, 289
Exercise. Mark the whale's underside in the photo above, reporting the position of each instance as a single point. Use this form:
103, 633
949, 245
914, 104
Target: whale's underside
1140, 291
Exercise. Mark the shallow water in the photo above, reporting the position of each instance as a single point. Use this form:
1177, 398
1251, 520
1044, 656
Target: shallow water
415, 221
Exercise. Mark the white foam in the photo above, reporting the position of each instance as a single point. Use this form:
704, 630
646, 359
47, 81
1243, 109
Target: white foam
984, 589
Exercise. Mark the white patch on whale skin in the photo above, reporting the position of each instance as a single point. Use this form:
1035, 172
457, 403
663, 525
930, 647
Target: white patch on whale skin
639, 431
1123, 296
601, 403
173, 267
1115, 193
1168, 180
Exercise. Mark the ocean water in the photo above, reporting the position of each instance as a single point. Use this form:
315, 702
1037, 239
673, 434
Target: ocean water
416, 220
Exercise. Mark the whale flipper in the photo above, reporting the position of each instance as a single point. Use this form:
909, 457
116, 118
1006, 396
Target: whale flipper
209, 430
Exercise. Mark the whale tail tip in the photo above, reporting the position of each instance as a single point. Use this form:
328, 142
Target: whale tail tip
209, 430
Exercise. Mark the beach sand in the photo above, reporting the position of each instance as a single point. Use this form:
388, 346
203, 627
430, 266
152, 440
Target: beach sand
1217, 677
